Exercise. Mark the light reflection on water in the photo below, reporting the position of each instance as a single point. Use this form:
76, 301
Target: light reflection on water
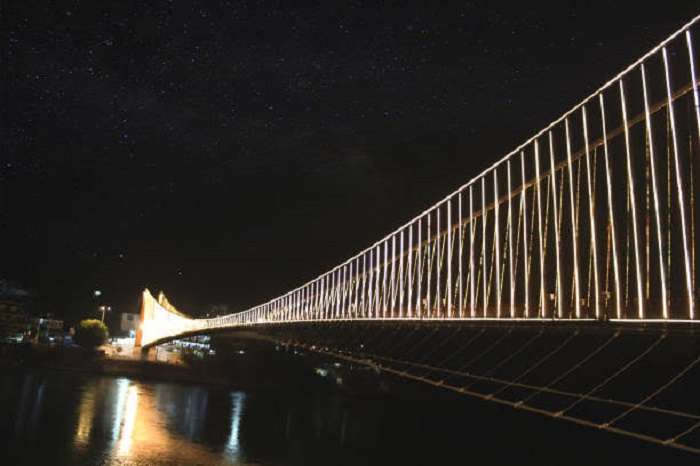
118, 420
62, 418
233, 447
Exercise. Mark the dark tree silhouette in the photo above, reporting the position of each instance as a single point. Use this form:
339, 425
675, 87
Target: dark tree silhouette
91, 333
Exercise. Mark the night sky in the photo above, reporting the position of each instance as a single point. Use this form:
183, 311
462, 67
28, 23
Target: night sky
225, 152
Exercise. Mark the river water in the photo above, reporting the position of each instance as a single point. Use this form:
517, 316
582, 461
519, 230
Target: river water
64, 418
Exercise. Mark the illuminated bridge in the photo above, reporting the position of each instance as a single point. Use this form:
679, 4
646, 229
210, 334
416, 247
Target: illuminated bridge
561, 280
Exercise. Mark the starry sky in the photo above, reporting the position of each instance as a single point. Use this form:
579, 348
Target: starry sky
227, 151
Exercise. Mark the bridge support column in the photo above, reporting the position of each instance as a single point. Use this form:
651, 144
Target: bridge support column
146, 315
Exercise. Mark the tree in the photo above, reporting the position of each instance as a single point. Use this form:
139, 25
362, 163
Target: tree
91, 333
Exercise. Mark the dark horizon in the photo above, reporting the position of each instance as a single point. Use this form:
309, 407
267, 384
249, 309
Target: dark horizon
224, 154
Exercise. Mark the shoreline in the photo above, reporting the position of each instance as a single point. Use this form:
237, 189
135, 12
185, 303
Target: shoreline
136, 369
210, 372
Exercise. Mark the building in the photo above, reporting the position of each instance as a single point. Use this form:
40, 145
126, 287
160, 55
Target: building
129, 323
14, 320
47, 329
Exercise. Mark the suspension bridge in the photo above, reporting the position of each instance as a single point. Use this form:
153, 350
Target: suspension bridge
561, 280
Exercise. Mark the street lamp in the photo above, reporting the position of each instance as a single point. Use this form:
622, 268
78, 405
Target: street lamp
104, 309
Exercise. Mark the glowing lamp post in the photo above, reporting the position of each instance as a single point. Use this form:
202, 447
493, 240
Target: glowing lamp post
104, 309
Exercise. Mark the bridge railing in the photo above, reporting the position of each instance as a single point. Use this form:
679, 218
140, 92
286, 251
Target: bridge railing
593, 217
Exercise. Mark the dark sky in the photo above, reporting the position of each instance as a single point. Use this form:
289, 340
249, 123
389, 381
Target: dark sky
228, 151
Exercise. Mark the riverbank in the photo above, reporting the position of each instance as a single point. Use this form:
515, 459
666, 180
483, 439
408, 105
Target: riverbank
81, 360
257, 370
256, 366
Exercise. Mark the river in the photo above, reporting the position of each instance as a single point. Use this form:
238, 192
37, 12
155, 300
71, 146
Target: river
65, 418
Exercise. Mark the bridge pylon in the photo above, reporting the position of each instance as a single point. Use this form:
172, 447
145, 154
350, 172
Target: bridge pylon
159, 319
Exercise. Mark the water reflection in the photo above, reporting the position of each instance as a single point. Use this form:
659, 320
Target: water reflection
142, 429
82, 420
38, 401
89, 420
127, 428
100, 420
185, 409
233, 448
122, 389
25, 397
86, 412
